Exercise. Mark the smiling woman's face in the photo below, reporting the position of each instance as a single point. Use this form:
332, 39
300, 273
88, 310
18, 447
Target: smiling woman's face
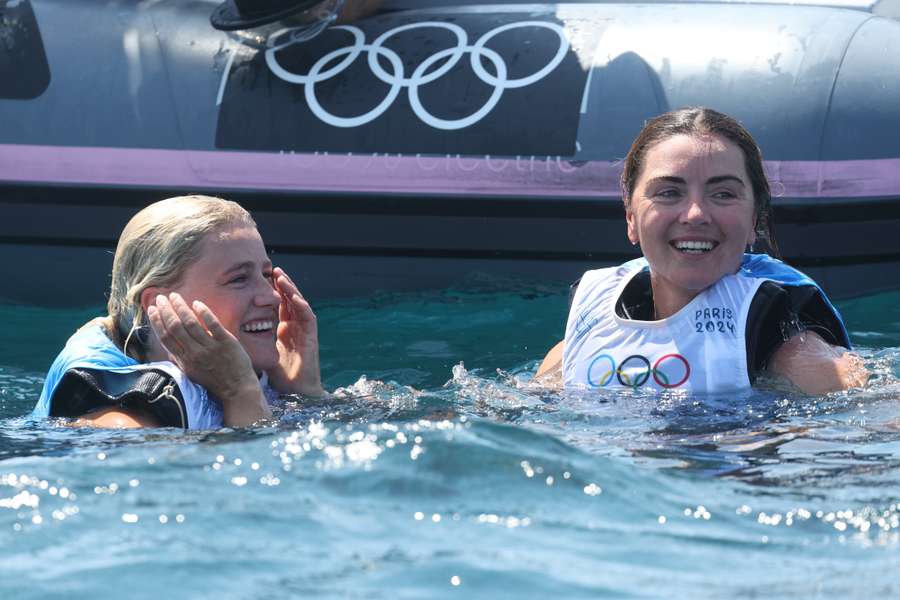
233, 277
692, 212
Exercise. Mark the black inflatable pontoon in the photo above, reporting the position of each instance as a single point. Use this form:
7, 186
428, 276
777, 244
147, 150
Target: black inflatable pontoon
419, 145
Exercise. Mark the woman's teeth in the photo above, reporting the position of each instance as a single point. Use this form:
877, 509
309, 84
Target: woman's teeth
257, 326
693, 247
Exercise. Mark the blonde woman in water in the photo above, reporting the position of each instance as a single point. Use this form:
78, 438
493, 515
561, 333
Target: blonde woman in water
202, 331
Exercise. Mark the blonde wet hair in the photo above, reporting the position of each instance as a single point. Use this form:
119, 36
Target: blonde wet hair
155, 249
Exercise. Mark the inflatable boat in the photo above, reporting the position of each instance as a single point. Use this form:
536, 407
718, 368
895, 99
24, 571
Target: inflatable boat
431, 141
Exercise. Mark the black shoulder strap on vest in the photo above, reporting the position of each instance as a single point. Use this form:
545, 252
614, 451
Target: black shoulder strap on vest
154, 391
778, 312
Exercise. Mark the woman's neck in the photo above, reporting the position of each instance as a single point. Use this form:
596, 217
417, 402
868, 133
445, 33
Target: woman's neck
128, 345
155, 351
669, 299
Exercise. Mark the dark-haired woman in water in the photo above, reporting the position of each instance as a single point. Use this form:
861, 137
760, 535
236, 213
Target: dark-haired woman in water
699, 312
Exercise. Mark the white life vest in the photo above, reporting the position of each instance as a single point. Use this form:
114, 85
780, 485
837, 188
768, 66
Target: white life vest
699, 349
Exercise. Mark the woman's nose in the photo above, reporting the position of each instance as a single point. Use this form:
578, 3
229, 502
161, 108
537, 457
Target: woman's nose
695, 211
267, 295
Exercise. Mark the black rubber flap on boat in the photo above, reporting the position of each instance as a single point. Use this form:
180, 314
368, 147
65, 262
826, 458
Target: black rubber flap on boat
232, 15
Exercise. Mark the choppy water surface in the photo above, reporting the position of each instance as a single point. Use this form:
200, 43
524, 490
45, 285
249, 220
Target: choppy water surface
432, 479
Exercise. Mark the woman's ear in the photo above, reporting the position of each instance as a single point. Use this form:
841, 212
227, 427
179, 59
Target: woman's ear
148, 297
751, 237
632, 229
145, 333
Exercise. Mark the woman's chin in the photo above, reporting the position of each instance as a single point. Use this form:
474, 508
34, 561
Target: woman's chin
261, 349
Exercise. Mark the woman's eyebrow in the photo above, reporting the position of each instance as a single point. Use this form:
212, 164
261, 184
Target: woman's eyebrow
721, 178
668, 179
240, 266
248, 264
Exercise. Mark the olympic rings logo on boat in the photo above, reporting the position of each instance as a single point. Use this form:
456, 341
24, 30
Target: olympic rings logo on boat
635, 370
478, 52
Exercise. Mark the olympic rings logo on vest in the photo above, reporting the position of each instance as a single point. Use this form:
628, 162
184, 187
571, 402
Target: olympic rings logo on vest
324, 69
669, 371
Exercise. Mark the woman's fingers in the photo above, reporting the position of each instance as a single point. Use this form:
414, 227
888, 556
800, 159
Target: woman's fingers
293, 305
178, 326
189, 320
167, 325
284, 307
288, 289
216, 329
285, 284
158, 325
279, 283
298, 345
303, 312
201, 346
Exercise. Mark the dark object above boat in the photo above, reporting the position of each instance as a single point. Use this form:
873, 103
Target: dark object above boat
232, 15
417, 146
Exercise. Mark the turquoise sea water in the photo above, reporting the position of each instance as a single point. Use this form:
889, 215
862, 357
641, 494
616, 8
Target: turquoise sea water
445, 474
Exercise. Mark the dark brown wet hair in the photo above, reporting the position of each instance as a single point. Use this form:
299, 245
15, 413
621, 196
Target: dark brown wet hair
698, 120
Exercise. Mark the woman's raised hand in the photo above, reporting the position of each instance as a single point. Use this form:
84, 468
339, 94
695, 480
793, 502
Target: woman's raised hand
297, 342
210, 356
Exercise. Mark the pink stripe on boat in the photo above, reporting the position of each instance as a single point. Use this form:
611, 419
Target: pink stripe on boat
379, 173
